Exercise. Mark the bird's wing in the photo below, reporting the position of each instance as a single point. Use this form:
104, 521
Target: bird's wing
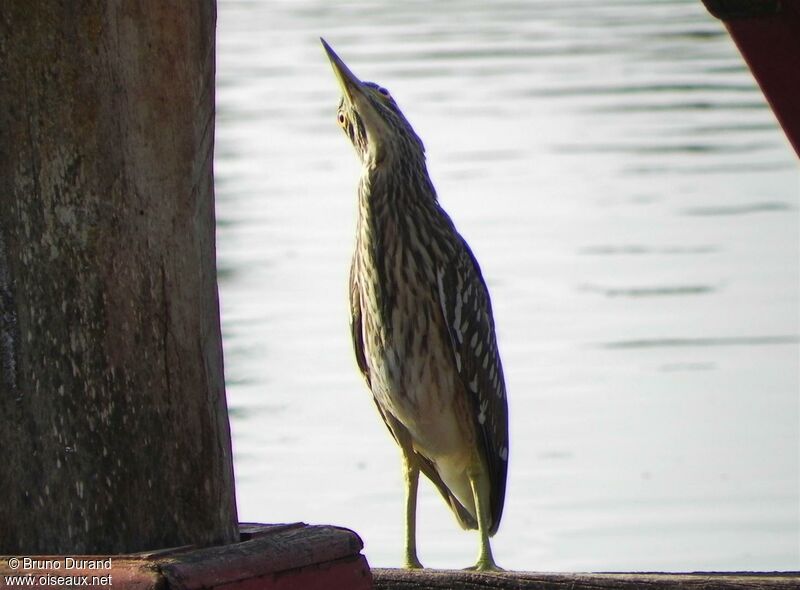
356, 331
397, 430
357, 335
467, 312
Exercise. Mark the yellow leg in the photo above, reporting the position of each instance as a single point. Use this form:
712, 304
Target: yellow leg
480, 493
411, 473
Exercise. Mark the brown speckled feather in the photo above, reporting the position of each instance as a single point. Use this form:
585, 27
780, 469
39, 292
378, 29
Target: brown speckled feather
467, 310
425, 465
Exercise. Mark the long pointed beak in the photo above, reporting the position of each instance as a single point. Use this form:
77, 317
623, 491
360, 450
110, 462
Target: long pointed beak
348, 82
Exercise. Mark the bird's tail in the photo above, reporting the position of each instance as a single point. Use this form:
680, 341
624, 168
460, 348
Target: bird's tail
463, 516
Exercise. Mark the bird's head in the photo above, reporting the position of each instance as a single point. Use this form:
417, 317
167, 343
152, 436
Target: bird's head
370, 117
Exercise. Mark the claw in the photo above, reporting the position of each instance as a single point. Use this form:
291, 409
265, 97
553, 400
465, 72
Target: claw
485, 565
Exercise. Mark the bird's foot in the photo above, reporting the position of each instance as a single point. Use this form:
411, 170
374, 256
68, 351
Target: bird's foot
411, 562
485, 565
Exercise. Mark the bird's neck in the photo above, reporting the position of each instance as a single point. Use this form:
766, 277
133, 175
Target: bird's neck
390, 188
389, 235
398, 213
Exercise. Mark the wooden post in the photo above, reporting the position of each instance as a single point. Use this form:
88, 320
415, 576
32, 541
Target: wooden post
114, 432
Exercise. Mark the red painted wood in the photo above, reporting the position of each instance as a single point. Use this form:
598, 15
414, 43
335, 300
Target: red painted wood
276, 551
270, 557
130, 574
350, 574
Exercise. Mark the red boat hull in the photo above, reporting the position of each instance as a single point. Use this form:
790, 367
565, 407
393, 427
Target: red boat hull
767, 33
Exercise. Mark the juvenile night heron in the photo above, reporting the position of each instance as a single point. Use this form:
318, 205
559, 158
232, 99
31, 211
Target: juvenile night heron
421, 322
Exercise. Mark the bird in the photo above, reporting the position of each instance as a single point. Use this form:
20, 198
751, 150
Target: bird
421, 322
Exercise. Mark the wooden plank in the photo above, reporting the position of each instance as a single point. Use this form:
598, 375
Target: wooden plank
123, 572
272, 557
265, 555
344, 574
248, 530
399, 579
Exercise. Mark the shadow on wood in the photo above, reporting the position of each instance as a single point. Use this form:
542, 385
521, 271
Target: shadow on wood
397, 579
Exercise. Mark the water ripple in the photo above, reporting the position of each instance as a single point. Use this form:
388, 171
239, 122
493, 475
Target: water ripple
638, 249
768, 206
779, 340
655, 291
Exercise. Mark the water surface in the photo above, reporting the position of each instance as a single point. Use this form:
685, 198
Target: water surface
634, 207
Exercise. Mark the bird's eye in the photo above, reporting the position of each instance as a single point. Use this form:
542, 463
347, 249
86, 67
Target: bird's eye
341, 119
384, 92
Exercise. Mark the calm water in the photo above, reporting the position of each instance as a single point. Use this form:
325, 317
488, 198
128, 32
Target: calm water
635, 210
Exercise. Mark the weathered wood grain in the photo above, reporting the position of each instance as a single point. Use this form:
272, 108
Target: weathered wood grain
270, 557
278, 550
398, 579
113, 423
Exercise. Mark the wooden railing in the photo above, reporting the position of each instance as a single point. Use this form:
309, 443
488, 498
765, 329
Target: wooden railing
397, 579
